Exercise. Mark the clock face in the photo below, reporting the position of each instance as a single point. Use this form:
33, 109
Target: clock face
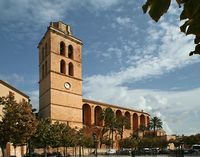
67, 85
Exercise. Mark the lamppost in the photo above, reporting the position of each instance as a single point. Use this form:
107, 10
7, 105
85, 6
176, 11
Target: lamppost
95, 142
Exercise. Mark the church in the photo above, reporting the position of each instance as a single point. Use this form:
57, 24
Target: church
60, 84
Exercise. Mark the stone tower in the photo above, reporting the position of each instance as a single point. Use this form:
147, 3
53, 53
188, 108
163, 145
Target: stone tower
60, 76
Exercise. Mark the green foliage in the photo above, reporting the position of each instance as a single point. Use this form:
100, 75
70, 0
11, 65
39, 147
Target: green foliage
190, 15
156, 8
153, 142
155, 123
18, 122
42, 135
142, 128
121, 122
109, 121
188, 140
107, 141
128, 143
68, 135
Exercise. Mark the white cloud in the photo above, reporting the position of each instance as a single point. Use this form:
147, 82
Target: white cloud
123, 20
46, 11
174, 108
165, 50
102, 4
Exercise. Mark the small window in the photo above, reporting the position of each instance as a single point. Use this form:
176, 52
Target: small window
45, 68
43, 74
43, 53
71, 69
62, 48
70, 51
62, 67
46, 49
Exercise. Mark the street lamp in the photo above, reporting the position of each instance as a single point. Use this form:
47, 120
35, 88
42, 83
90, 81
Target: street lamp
95, 142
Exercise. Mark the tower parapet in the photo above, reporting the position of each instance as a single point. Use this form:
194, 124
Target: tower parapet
62, 27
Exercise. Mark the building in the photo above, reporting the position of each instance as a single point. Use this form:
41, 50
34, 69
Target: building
60, 83
6, 90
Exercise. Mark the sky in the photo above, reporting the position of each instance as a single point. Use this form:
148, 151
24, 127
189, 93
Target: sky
128, 59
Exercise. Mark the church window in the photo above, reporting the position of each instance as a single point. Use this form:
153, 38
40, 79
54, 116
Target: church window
43, 54
43, 71
62, 48
70, 51
46, 49
62, 67
45, 68
71, 69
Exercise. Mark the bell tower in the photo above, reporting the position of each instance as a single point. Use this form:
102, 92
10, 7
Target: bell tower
60, 76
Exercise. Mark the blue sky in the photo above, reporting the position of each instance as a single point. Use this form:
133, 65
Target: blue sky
128, 59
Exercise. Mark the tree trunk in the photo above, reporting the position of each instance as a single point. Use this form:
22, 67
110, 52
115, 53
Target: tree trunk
75, 151
83, 151
112, 138
64, 152
122, 132
15, 150
45, 151
3, 150
79, 151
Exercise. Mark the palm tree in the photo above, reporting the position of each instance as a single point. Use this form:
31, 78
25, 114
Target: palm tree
121, 122
109, 121
142, 128
155, 123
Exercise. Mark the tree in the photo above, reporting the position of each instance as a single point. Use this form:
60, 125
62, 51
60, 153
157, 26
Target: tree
68, 136
18, 122
153, 142
42, 135
109, 121
155, 123
190, 15
121, 122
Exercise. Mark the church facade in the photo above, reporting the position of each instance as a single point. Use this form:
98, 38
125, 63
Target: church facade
60, 84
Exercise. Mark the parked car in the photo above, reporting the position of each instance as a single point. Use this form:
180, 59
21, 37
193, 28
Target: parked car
196, 147
111, 151
146, 150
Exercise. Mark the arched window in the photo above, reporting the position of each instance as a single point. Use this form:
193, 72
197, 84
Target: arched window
97, 116
135, 121
128, 119
118, 114
62, 67
71, 69
70, 51
142, 120
86, 114
62, 48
